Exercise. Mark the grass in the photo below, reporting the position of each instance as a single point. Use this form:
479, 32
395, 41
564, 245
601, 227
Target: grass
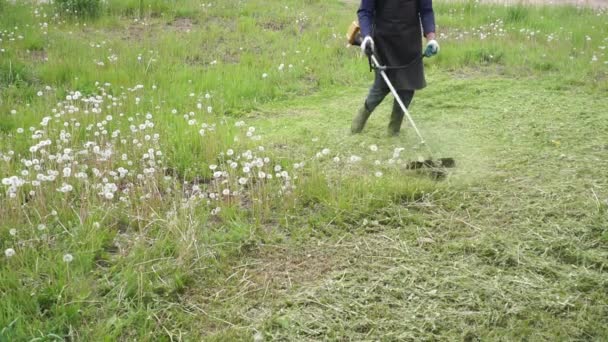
181, 101
501, 253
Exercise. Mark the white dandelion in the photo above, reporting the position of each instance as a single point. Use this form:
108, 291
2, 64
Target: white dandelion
67, 258
354, 159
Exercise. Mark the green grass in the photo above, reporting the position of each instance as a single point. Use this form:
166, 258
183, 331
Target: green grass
514, 244
511, 245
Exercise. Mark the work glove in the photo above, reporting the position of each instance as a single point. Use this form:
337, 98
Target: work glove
432, 48
367, 46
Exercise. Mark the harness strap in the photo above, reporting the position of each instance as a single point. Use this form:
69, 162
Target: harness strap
384, 67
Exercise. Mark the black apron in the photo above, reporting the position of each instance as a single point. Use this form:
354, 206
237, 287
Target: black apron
398, 38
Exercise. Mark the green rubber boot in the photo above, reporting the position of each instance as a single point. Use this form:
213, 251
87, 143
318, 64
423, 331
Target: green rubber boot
360, 119
394, 126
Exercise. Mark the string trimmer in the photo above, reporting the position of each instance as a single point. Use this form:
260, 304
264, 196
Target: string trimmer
354, 38
428, 163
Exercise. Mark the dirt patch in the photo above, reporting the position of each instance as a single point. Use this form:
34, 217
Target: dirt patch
139, 31
134, 32
182, 25
273, 26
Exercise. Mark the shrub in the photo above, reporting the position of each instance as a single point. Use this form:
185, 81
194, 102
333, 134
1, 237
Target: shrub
79, 8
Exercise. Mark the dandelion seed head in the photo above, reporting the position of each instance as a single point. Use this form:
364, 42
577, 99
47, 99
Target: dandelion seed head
9, 252
354, 159
68, 258
65, 188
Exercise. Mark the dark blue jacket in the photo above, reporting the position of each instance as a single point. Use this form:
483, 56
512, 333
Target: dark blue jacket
366, 16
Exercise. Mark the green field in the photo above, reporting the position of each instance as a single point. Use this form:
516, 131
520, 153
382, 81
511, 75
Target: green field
184, 171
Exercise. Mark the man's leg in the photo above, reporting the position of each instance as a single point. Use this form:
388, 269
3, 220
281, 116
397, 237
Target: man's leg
394, 125
376, 94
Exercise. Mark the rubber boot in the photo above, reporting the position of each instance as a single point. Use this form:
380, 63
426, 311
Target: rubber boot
394, 126
360, 119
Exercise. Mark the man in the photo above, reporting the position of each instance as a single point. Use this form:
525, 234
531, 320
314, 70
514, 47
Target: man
392, 30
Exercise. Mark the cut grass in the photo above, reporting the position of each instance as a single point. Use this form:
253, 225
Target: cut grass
510, 248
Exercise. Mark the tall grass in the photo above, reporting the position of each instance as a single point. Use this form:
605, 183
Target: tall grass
79, 8
517, 14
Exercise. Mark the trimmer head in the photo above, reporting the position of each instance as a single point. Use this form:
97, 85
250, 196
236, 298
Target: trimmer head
435, 168
432, 163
